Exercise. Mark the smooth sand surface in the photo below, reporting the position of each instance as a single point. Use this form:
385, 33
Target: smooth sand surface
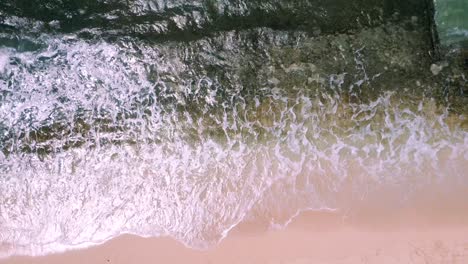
310, 238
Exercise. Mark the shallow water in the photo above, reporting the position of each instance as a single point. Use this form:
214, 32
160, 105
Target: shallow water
158, 136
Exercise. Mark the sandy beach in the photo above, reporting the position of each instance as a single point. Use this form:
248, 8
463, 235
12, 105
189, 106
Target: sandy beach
310, 238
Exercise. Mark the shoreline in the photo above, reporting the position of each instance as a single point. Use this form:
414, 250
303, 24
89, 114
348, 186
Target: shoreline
312, 237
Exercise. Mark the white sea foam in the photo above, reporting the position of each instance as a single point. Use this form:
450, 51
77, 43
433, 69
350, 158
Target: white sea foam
100, 140
196, 193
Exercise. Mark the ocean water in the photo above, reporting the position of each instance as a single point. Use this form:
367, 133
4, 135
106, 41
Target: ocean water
451, 21
162, 118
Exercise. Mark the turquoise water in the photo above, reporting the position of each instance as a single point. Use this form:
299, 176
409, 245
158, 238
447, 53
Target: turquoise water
452, 21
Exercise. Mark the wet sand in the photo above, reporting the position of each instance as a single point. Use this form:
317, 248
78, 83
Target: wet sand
311, 238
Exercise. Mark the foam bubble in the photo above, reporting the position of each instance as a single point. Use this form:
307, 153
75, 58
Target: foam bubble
4, 61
